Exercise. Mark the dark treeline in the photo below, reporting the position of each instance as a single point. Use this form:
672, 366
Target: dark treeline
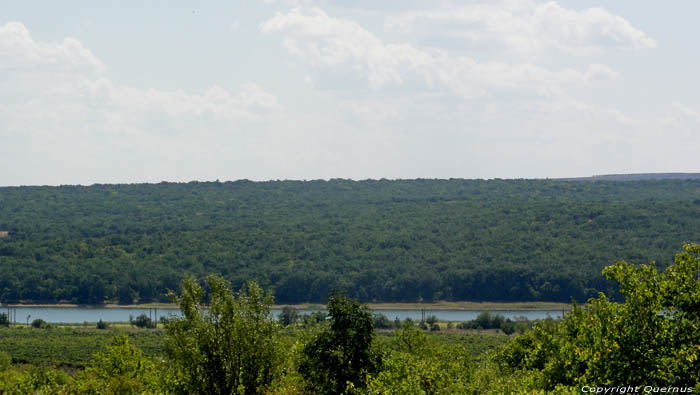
496, 240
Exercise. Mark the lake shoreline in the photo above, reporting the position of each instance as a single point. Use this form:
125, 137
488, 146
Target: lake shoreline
464, 305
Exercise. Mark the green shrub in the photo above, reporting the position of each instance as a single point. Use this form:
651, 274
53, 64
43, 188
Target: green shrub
341, 354
381, 321
288, 316
120, 369
39, 323
651, 338
143, 321
5, 361
416, 363
231, 347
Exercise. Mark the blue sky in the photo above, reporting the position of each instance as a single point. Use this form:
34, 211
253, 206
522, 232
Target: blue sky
93, 92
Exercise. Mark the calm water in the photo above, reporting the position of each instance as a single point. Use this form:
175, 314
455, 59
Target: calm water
94, 314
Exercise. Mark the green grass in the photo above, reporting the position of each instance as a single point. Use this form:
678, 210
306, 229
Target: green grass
477, 344
74, 346
70, 346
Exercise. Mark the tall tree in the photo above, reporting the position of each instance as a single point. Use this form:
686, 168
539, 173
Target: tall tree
227, 347
341, 354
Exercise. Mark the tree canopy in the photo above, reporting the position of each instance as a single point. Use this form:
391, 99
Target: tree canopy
650, 339
377, 240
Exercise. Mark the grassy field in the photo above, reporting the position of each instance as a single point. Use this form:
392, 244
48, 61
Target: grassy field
70, 346
464, 305
74, 345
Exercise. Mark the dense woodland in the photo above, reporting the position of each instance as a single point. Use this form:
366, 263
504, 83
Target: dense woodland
392, 241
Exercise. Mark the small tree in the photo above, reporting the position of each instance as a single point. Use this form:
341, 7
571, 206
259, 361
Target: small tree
227, 348
39, 323
652, 338
4, 321
288, 316
120, 369
340, 355
102, 325
381, 321
143, 321
313, 319
5, 361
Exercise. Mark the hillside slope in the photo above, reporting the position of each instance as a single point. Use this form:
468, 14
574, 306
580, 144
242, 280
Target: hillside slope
405, 240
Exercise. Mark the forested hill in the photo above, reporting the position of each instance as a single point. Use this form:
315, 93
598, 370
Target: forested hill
379, 240
637, 177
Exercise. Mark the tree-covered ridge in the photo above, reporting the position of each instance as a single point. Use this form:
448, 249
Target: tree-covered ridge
380, 240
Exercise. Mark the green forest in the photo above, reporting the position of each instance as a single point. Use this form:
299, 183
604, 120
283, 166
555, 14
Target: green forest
376, 240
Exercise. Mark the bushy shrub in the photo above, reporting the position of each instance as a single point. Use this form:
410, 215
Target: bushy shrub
5, 361
416, 363
143, 321
288, 316
231, 347
313, 319
341, 354
102, 325
651, 338
381, 321
39, 323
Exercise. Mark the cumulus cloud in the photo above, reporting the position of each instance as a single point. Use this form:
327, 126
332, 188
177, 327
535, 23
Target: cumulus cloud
680, 123
525, 26
60, 110
376, 103
18, 51
328, 43
68, 76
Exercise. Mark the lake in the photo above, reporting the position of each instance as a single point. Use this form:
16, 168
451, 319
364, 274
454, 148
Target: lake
74, 315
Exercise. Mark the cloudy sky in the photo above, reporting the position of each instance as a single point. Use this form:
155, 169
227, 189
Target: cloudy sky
263, 89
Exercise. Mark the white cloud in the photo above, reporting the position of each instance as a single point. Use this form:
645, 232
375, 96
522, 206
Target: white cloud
366, 102
62, 118
524, 26
680, 123
339, 45
49, 76
289, 2
19, 52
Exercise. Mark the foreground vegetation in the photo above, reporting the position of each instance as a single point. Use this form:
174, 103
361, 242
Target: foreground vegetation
650, 342
382, 241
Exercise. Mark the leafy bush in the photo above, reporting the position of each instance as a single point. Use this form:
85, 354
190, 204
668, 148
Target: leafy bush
341, 353
39, 323
652, 338
314, 318
288, 316
5, 361
381, 321
102, 325
4, 321
143, 321
120, 369
230, 347
415, 363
